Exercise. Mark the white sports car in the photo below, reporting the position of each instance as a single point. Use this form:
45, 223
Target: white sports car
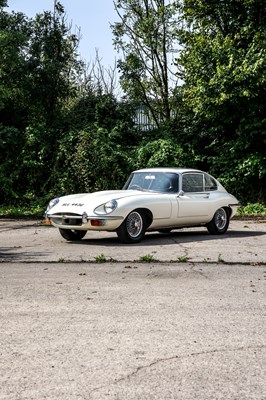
153, 199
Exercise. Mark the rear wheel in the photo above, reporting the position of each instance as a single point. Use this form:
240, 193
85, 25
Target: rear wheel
219, 223
72, 235
133, 228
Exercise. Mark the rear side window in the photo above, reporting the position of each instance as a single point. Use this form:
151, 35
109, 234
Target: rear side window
210, 183
192, 183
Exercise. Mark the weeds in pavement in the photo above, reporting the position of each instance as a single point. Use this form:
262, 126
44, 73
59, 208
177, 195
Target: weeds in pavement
148, 258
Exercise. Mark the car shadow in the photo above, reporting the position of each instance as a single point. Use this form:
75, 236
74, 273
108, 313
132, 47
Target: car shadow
164, 239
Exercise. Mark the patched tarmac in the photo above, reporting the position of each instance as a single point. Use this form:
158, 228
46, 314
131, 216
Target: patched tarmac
31, 241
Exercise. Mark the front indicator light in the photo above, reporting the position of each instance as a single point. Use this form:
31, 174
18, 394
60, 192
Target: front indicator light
97, 222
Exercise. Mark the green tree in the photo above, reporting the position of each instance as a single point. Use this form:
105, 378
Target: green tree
14, 36
96, 152
162, 152
146, 36
223, 68
52, 65
39, 69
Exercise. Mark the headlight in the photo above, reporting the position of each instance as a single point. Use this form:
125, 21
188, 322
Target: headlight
106, 208
51, 204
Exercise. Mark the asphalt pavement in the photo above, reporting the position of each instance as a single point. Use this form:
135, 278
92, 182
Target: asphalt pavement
31, 241
176, 317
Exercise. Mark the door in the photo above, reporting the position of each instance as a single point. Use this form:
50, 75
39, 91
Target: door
194, 204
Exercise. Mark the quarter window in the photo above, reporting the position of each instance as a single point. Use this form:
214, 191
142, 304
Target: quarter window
210, 183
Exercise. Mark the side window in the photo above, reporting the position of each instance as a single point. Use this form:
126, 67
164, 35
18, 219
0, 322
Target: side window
192, 183
165, 183
210, 183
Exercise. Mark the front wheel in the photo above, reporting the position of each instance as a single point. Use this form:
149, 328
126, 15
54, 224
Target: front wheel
72, 235
133, 228
219, 223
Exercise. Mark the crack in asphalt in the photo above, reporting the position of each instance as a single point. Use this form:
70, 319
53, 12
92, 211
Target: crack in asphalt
11, 258
167, 359
196, 272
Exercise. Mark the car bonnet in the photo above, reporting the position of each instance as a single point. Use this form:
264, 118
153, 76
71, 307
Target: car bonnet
77, 203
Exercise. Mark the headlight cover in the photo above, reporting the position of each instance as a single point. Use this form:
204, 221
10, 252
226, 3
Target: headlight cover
51, 204
106, 208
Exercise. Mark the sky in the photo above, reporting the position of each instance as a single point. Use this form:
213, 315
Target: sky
93, 17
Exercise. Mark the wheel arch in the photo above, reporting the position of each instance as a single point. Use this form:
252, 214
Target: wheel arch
229, 210
148, 215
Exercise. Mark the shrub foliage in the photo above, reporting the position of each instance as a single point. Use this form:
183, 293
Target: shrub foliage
62, 132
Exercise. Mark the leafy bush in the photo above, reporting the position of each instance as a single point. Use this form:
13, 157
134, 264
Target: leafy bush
162, 153
252, 209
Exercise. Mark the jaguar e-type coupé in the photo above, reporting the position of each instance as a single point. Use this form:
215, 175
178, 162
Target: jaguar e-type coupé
153, 199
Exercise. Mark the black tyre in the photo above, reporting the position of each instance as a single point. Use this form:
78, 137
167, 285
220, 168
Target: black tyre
133, 228
72, 235
219, 223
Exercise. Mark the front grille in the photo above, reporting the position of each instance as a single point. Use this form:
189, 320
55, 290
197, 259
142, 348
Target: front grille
67, 219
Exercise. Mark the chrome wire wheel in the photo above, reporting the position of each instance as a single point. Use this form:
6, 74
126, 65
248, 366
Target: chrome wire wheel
133, 228
219, 224
134, 224
220, 218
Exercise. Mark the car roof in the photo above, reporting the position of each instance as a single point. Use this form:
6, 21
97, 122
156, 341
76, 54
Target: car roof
168, 169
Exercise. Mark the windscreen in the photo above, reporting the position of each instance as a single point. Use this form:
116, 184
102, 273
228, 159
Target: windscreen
153, 181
